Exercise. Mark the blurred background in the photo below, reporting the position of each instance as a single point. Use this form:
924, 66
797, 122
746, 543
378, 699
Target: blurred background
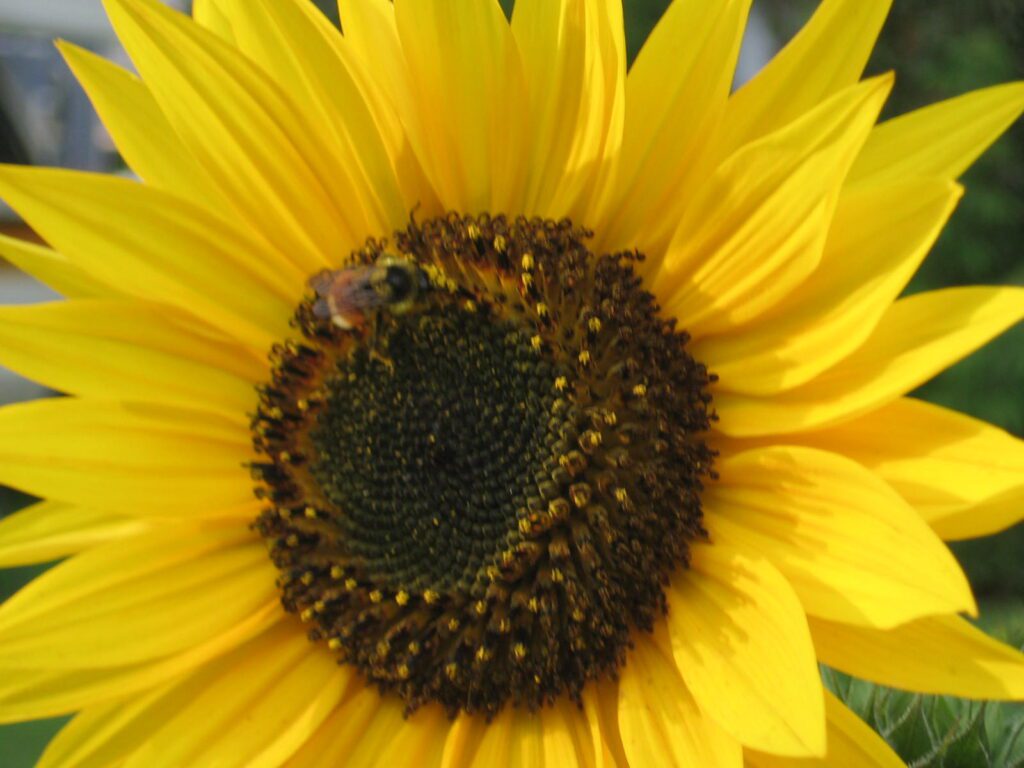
938, 48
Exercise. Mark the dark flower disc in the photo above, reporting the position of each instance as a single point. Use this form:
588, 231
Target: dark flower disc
482, 457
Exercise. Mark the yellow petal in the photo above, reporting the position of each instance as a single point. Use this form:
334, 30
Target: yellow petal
49, 530
851, 744
916, 338
371, 35
462, 741
572, 96
827, 56
372, 46
247, 133
939, 654
675, 96
941, 140
555, 736
368, 729
30, 694
606, 57
138, 600
878, 238
601, 706
852, 549
253, 713
83, 742
468, 124
301, 50
138, 128
174, 252
740, 641
660, 722
208, 14
51, 268
138, 460
965, 477
757, 228
127, 350
252, 707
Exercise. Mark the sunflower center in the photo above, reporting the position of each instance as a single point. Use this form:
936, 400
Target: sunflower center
482, 459
432, 450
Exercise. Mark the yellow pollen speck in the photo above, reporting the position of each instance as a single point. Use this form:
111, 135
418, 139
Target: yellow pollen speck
561, 383
500, 243
383, 648
351, 584
527, 279
318, 606
414, 647
307, 614
520, 651
430, 597
376, 596
558, 509
557, 576
640, 390
580, 493
594, 324
276, 413
336, 572
453, 624
527, 261
292, 540
537, 342
542, 309
310, 512
403, 672
284, 513
621, 495
451, 670
284, 456
302, 404
402, 597
473, 231
480, 607
578, 616
482, 654
334, 643
590, 440
584, 357
533, 605
469, 305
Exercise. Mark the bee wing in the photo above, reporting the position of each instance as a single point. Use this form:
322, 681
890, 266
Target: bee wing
321, 309
322, 281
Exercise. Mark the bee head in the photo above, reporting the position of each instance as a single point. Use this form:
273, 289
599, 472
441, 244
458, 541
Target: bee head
397, 281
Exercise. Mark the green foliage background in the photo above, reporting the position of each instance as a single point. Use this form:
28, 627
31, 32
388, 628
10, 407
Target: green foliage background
938, 48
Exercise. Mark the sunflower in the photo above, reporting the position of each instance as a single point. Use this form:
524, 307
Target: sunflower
444, 395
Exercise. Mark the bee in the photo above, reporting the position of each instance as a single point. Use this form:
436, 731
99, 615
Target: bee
347, 296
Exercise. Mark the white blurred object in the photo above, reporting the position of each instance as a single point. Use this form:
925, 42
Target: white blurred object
759, 45
81, 20
18, 288
51, 118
